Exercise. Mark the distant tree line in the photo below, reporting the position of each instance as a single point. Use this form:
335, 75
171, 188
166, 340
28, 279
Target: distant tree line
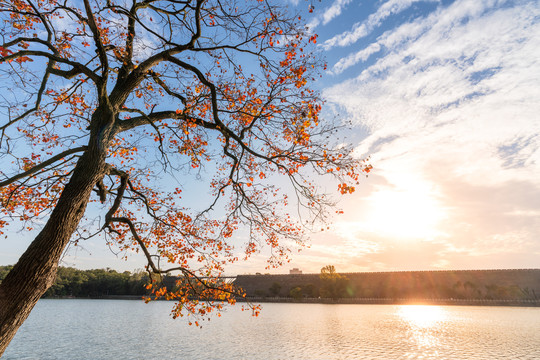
93, 283
328, 284
332, 285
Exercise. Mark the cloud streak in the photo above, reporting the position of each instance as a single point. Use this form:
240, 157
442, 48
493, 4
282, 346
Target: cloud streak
355, 58
362, 29
329, 13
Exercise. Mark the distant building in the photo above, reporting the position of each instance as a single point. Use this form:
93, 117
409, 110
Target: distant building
295, 271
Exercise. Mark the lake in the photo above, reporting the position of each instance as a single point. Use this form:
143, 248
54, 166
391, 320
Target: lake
124, 329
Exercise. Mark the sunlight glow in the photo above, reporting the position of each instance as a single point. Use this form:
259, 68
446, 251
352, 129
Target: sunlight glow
424, 324
414, 213
421, 316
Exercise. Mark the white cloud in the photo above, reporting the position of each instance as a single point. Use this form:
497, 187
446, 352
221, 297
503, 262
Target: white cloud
334, 11
362, 29
329, 13
433, 25
354, 58
476, 78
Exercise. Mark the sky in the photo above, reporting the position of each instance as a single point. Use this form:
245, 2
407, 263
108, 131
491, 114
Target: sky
444, 97
447, 95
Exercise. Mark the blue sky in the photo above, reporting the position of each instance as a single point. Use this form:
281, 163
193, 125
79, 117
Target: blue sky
444, 97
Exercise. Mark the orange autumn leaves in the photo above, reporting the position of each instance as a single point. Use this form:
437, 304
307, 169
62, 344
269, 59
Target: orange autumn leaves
223, 100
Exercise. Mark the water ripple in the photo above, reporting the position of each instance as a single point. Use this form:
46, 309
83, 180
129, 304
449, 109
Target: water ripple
111, 329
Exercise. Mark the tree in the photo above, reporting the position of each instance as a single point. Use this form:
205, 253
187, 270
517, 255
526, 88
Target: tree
107, 103
310, 290
275, 288
296, 293
4, 270
333, 285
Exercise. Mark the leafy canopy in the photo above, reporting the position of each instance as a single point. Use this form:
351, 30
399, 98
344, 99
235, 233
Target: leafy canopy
168, 92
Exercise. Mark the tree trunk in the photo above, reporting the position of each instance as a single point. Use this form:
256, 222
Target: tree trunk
36, 269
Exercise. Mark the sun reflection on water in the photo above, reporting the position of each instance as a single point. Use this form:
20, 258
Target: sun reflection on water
425, 327
421, 316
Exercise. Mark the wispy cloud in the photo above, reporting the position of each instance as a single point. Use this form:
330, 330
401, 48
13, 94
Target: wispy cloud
329, 13
438, 22
487, 63
355, 58
362, 29
334, 10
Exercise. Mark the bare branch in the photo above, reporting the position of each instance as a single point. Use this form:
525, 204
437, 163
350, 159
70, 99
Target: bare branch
161, 83
97, 40
124, 125
123, 88
119, 193
80, 67
36, 40
42, 165
129, 223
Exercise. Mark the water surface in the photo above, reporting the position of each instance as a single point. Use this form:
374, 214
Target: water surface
122, 329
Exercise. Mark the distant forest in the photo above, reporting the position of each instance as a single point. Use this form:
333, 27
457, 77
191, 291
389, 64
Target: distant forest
480, 284
92, 283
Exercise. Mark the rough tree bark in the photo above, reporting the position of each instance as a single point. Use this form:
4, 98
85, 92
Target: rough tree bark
36, 269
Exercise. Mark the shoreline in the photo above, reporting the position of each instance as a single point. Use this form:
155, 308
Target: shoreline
397, 301
352, 301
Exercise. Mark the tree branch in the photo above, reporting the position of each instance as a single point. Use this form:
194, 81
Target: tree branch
124, 125
123, 88
80, 67
50, 67
42, 165
97, 40
161, 83
119, 193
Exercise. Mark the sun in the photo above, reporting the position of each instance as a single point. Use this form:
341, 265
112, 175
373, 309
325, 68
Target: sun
414, 212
